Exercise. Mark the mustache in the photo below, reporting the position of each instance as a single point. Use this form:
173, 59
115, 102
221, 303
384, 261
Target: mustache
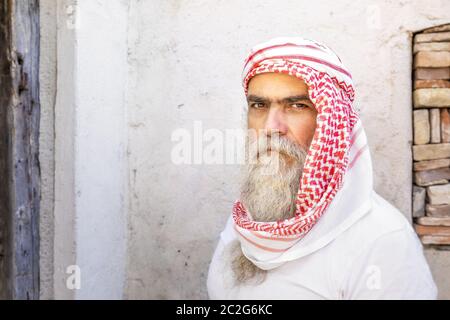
262, 145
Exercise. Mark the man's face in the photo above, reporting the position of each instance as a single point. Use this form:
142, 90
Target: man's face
282, 120
279, 103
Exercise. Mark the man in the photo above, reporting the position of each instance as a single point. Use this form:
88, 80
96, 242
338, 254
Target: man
309, 224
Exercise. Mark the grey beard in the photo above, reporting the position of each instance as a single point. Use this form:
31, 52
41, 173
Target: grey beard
271, 180
269, 187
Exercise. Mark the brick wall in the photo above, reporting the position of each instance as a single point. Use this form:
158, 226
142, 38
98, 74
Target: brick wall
431, 150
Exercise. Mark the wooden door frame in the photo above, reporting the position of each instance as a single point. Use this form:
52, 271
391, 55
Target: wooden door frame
19, 147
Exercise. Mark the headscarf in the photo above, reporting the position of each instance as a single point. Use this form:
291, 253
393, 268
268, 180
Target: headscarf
337, 152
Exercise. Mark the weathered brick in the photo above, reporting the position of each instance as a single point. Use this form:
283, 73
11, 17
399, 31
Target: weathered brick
432, 230
443, 28
439, 194
435, 240
432, 46
433, 221
431, 164
445, 125
431, 151
432, 37
432, 177
424, 84
431, 98
432, 59
432, 73
435, 125
419, 196
421, 127
440, 210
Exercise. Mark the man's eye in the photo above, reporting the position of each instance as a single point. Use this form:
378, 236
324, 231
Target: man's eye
299, 105
257, 105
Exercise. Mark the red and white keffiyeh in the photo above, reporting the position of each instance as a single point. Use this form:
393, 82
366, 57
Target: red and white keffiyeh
337, 151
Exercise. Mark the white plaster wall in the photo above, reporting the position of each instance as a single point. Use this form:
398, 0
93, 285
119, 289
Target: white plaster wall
101, 168
64, 245
185, 63
46, 143
90, 148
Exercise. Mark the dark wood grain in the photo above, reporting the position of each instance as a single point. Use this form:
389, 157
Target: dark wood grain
19, 162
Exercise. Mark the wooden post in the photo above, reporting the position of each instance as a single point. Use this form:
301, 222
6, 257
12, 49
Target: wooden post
19, 165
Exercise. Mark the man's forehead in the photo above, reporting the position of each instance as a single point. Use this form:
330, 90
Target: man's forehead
276, 86
276, 76
278, 81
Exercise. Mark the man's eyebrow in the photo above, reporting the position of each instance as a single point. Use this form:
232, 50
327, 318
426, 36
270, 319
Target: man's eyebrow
290, 99
295, 98
256, 98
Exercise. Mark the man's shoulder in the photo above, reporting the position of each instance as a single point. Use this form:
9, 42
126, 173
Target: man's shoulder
384, 243
383, 221
386, 217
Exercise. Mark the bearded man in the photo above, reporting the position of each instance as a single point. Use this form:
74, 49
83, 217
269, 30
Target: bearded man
308, 224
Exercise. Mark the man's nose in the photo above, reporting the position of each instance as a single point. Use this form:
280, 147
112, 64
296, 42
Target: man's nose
275, 122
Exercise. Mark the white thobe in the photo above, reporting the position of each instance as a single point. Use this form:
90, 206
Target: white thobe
377, 257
